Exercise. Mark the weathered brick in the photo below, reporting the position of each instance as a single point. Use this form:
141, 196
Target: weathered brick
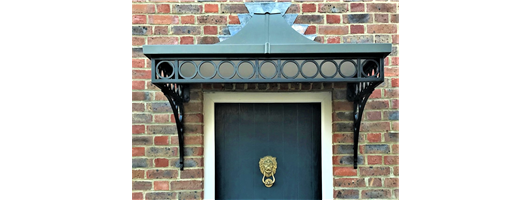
138, 129
162, 40
375, 126
212, 19
161, 185
391, 115
161, 129
188, 139
333, 30
394, 18
161, 140
358, 39
190, 195
374, 171
162, 107
395, 149
233, 8
142, 140
161, 151
141, 118
191, 173
139, 19
186, 185
163, 8
332, 7
356, 29
333, 19
143, 8
141, 185
193, 151
391, 71
137, 52
189, 19
342, 149
140, 96
138, 174
356, 7
374, 160
396, 171
346, 194
233, 19
347, 160
138, 85
395, 62
394, 51
162, 174
187, 9
293, 8
139, 163
141, 30
375, 182
138, 107
349, 182
381, 7
186, 40
373, 137
342, 138
186, 30
141, 74
381, 18
161, 162
343, 127
137, 196
309, 19
207, 40
395, 39
376, 149
188, 162
343, 116
160, 196
377, 104
382, 39
375, 194
391, 137
372, 115
210, 30
356, 18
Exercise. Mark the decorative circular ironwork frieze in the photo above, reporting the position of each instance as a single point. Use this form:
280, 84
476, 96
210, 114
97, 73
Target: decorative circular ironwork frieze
165, 69
304, 65
341, 72
322, 68
238, 69
282, 69
181, 68
261, 67
220, 70
202, 67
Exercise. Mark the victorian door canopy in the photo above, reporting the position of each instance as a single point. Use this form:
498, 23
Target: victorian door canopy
268, 48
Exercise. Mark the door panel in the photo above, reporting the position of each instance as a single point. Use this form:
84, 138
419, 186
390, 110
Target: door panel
246, 132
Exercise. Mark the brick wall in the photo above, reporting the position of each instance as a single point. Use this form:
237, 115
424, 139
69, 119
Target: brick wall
155, 172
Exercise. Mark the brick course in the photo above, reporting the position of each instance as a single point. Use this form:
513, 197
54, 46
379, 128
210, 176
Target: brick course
155, 167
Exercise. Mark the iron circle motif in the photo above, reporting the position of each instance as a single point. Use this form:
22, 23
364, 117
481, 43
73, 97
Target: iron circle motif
214, 69
376, 67
233, 67
261, 66
158, 70
336, 68
297, 66
194, 74
302, 71
253, 69
354, 67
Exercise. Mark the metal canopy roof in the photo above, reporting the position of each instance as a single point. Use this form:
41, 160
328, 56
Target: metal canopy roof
266, 49
267, 32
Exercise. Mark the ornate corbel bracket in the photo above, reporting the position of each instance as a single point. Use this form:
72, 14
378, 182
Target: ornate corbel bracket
177, 94
358, 93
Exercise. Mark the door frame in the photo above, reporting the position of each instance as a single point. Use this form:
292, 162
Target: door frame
324, 98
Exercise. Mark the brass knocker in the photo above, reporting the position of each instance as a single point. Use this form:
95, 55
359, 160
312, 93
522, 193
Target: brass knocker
267, 166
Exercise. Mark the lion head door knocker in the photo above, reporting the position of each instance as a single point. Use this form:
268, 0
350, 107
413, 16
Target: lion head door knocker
267, 166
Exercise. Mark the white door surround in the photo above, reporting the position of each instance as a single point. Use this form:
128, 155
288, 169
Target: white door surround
324, 98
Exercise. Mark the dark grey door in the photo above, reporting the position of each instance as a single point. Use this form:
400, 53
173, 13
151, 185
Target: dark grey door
246, 132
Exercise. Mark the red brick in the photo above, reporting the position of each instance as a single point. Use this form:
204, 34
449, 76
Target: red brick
395, 39
138, 85
309, 8
233, 19
164, 118
395, 61
396, 171
210, 30
163, 8
138, 129
391, 182
191, 173
211, 8
207, 40
188, 140
374, 160
395, 148
333, 30
161, 140
138, 41
335, 39
392, 93
161, 30
333, 19
374, 171
394, 71
391, 160
357, 7
162, 174
395, 103
190, 19
342, 138
137, 196
161, 162
162, 40
163, 19
382, 28
138, 63
375, 182
311, 30
375, 94
372, 115
394, 18
381, 18
387, 61
138, 151
395, 82
139, 19
349, 182
344, 171
161, 185
212, 19
373, 137
375, 126
381, 7
138, 174
356, 29
143, 8
342, 105
186, 40
186, 185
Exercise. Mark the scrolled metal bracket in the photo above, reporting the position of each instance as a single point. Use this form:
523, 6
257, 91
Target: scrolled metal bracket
177, 94
358, 93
